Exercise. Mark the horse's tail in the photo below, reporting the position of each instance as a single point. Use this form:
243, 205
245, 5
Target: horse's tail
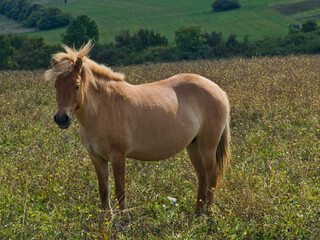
223, 154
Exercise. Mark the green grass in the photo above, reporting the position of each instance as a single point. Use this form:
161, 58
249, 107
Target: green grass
254, 18
48, 187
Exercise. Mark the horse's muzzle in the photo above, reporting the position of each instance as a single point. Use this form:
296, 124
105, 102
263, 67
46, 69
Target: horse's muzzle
63, 121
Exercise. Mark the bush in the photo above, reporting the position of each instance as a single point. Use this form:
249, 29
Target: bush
158, 54
309, 26
225, 5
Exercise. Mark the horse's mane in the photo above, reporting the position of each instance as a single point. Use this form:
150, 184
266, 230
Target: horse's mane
63, 63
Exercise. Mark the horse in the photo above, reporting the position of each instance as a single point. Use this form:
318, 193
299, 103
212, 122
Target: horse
147, 122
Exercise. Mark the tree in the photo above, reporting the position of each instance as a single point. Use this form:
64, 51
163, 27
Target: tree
213, 39
225, 5
146, 38
233, 45
309, 26
51, 17
142, 39
188, 38
80, 31
123, 39
33, 54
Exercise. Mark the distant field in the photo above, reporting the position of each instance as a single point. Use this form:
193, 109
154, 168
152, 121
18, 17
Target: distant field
48, 187
254, 18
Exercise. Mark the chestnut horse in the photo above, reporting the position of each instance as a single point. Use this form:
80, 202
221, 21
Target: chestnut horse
151, 121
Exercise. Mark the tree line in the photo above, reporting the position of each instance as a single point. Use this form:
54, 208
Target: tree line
148, 45
34, 15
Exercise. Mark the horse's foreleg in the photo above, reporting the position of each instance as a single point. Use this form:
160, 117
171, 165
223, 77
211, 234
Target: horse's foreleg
211, 168
196, 160
118, 167
101, 167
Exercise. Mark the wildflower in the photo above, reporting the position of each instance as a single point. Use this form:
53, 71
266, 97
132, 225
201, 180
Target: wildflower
172, 200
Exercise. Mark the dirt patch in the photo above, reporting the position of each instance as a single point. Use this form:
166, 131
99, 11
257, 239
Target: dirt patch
296, 7
315, 17
8, 25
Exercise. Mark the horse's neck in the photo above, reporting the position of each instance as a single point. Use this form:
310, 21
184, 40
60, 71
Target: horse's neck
98, 101
89, 111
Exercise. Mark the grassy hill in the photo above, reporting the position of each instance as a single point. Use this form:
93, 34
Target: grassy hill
48, 187
255, 18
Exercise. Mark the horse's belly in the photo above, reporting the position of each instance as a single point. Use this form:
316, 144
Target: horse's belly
155, 153
159, 145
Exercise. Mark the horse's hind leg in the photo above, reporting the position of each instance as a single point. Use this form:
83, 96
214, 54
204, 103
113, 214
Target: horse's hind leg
195, 157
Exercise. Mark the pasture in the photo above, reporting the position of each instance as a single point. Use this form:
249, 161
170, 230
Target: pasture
255, 18
48, 186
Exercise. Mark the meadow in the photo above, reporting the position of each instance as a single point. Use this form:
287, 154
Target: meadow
48, 187
255, 18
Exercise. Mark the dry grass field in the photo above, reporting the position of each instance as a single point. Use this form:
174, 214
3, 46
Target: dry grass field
48, 187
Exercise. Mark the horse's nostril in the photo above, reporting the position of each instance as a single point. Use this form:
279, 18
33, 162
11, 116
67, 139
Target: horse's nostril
66, 118
55, 118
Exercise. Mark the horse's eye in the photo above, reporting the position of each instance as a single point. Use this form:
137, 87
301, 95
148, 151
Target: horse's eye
77, 87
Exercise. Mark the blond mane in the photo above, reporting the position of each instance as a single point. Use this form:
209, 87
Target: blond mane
63, 63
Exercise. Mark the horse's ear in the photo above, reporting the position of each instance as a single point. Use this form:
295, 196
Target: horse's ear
78, 64
53, 62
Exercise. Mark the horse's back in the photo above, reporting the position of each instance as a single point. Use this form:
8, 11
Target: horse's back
208, 96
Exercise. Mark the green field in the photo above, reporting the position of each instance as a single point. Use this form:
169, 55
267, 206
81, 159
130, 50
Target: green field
48, 187
255, 18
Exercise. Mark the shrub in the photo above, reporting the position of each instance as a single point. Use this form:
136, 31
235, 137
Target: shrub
309, 26
225, 5
158, 54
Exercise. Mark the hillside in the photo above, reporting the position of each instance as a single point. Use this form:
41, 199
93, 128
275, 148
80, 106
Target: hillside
48, 187
255, 18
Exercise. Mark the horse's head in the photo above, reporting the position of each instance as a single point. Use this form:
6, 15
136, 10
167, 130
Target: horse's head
72, 73
69, 94
70, 80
